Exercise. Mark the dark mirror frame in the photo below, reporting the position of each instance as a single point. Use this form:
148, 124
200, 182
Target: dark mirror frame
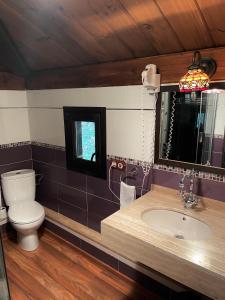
175, 163
97, 115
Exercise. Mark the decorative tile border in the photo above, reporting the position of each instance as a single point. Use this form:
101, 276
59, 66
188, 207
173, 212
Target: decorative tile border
55, 147
203, 175
198, 174
128, 160
172, 169
14, 145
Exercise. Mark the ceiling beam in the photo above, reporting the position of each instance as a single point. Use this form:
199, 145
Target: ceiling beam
10, 56
127, 72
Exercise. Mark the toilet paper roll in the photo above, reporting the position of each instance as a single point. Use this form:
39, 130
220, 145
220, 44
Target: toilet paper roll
3, 213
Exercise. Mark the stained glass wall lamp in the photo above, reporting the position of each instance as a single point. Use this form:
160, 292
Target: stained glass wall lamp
198, 76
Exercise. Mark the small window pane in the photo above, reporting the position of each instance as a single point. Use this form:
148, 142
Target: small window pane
85, 140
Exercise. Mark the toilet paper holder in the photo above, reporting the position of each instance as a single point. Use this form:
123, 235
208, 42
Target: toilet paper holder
131, 174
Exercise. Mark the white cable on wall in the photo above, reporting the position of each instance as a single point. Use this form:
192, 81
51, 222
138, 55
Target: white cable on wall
147, 164
109, 183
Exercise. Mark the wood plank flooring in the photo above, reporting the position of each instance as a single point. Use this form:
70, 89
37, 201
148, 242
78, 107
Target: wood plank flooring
58, 270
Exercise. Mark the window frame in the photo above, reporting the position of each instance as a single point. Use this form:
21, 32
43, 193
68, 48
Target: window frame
89, 114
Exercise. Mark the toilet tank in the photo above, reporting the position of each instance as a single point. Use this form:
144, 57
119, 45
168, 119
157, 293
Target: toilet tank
18, 185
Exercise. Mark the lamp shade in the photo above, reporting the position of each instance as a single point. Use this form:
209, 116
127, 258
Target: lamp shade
194, 80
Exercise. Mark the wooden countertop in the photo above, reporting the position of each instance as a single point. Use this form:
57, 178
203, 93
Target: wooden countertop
197, 264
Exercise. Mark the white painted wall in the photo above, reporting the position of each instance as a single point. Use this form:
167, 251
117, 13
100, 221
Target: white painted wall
14, 120
43, 120
124, 127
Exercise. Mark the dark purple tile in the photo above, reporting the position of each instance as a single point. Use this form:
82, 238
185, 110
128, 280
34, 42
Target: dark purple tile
73, 212
217, 145
43, 154
137, 180
47, 194
115, 173
99, 187
217, 158
165, 178
211, 189
101, 207
140, 192
50, 155
94, 221
202, 187
16, 166
60, 158
74, 179
15, 154
99, 254
72, 196
46, 170
62, 233
145, 281
49, 171
61, 175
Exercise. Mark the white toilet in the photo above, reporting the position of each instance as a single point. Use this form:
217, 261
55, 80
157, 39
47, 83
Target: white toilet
25, 214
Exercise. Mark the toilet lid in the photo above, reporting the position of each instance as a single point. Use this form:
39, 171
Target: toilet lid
25, 212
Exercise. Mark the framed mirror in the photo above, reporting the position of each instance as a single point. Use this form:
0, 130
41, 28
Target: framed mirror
190, 129
85, 136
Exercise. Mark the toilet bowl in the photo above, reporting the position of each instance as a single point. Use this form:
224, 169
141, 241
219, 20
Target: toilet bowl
25, 214
26, 217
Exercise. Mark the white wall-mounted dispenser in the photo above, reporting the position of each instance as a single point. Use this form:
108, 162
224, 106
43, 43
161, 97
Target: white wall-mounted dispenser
150, 78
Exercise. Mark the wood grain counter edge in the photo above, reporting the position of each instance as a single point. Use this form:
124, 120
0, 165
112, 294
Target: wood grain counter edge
122, 232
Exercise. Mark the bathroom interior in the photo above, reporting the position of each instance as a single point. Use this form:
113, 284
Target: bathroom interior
112, 149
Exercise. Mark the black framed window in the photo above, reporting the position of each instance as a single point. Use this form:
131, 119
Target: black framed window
85, 136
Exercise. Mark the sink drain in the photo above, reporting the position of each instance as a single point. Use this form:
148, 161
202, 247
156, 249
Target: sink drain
179, 236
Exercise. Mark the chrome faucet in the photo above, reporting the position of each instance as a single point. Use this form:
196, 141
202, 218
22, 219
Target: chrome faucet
190, 200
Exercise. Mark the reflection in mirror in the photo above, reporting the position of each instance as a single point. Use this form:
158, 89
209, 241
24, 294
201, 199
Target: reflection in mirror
85, 140
192, 127
223, 165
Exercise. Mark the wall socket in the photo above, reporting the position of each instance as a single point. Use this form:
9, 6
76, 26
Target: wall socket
118, 164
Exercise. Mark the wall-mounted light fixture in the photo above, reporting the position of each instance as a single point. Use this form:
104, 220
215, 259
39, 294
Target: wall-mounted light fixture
198, 75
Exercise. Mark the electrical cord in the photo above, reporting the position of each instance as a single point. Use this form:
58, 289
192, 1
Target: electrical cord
109, 183
147, 166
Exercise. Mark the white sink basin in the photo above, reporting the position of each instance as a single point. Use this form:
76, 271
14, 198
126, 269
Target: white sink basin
176, 224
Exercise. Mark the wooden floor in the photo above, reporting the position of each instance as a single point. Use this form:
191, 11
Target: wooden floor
58, 270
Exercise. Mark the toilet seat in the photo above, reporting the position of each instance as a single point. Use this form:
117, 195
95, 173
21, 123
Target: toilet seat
25, 212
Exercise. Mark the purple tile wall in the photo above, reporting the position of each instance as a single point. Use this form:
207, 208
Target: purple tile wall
203, 187
85, 199
82, 198
15, 158
217, 152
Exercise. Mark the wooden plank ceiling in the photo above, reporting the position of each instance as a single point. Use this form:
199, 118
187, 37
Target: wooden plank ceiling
51, 34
